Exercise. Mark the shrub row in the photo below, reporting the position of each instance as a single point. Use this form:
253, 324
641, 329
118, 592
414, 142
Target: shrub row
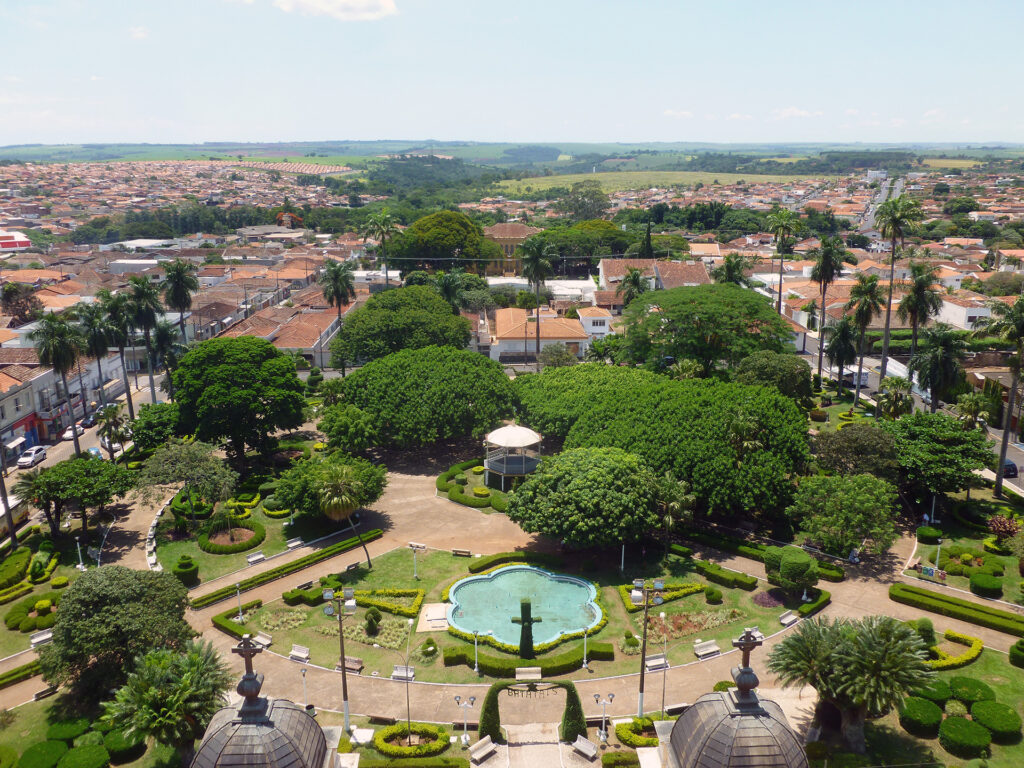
444, 480
284, 570
226, 621
629, 733
259, 534
716, 573
945, 661
438, 740
14, 567
620, 760
16, 675
957, 608
671, 592
920, 717
827, 569
13, 593
375, 599
536, 558
276, 514
501, 666
823, 599
456, 495
414, 762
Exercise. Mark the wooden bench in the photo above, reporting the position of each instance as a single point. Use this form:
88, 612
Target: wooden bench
585, 747
255, 557
294, 543
41, 638
462, 552
706, 649
402, 672
655, 662
46, 692
305, 585
676, 709
352, 567
789, 618
263, 640
299, 653
353, 664
528, 673
482, 750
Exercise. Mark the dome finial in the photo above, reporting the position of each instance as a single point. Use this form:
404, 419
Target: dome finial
743, 675
251, 683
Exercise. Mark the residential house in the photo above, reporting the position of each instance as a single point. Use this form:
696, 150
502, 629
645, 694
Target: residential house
515, 334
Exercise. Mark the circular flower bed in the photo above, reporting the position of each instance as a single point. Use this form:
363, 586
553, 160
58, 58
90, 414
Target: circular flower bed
968, 690
390, 741
964, 738
1002, 721
259, 533
921, 717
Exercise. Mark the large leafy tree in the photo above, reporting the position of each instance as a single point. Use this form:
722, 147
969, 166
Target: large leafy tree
381, 226
865, 304
59, 345
841, 346
936, 453
838, 512
895, 218
921, 299
861, 667
537, 267
240, 389
784, 224
298, 488
180, 282
106, 618
588, 496
348, 428
938, 362
788, 373
443, 239
828, 265
405, 318
856, 449
117, 309
155, 425
584, 201
713, 324
419, 396
145, 308
195, 465
91, 482
170, 696
337, 282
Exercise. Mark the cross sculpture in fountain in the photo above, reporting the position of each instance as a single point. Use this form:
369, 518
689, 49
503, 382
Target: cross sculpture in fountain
526, 621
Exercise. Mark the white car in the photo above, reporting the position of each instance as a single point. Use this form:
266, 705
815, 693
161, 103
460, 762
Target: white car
105, 443
32, 456
68, 434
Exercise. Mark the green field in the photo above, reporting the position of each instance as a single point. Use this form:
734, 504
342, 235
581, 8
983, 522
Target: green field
616, 182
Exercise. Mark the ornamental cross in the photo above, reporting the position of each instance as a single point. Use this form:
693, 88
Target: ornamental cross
747, 642
247, 649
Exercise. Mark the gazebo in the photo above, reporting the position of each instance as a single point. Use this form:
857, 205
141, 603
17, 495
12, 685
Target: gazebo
511, 451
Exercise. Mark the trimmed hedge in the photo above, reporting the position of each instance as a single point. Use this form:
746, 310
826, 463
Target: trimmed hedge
671, 592
629, 733
259, 534
968, 690
16, 675
285, 570
987, 586
926, 534
823, 599
45, 754
964, 738
414, 762
957, 608
1017, 653
121, 749
715, 573
945, 661
90, 756
505, 666
225, 622
620, 760
187, 570
713, 595
18, 590
827, 569
276, 514
14, 567
444, 480
67, 730
1001, 720
920, 717
937, 691
534, 558
438, 740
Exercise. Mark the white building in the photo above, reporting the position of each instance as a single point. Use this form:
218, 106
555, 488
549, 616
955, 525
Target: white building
515, 334
596, 321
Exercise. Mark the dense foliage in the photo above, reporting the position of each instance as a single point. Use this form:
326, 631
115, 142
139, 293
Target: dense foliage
348, 428
857, 449
155, 424
935, 453
442, 240
298, 488
788, 373
420, 396
838, 512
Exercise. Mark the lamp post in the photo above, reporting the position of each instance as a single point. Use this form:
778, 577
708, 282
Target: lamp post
238, 591
408, 705
648, 596
476, 652
416, 548
664, 670
344, 606
586, 631
305, 696
81, 565
602, 733
465, 706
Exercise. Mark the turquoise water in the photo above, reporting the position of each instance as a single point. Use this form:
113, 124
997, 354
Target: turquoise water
564, 604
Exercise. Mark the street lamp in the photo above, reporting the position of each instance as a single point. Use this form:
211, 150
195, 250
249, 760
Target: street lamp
664, 669
416, 548
238, 591
305, 696
344, 606
602, 732
81, 565
408, 704
647, 596
465, 705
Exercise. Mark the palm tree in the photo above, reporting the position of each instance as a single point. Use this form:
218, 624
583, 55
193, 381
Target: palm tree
862, 667
633, 284
30, 486
783, 223
380, 227
449, 285
96, 331
894, 399
116, 309
536, 258
684, 369
828, 266
144, 303
894, 219
112, 427
866, 303
972, 411
841, 347
180, 282
1006, 322
340, 496
921, 301
59, 344
733, 270
743, 433
167, 350
939, 362
675, 502
337, 282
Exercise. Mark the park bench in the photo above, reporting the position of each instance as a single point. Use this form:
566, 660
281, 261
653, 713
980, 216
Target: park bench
676, 709
402, 672
39, 695
294, 543
351, 566
655, 662
299, 653
263, 640
41, 638
462, 552
255, 557
789, 618
585, 747
353, 664
706, 649
528, 673
305, 585
482, 750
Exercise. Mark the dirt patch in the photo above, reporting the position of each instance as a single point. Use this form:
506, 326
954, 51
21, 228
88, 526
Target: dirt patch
234, 536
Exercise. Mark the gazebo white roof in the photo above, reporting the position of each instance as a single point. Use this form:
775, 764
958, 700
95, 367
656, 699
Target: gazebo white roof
513, 436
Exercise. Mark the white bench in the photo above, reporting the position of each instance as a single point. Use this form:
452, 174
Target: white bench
151, 559
482, 750
299, 653
41, 638
294, 543
263, 640
656, 662
255, 557
462, 553
585, 747
402, 672
706, 649
789, 618
528, 673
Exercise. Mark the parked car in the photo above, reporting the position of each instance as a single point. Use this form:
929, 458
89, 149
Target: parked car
89, 421
32, 456
68, 434
1009, 469
105, 443
95, 453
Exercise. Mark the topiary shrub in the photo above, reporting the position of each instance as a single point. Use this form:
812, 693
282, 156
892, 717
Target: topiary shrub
964, 738
968, 690
937, 691
986, 586
1017, 653
45, 754
926, 534
42, 606
92, 756
926, 631
712, 595
461, 479
66, 730
481, 491
89, 738
920, 717
573, 721
630, 733
818, 415
436, 744
59, 582
956, 708
186, 570
46, 622
1002, 721
121, 749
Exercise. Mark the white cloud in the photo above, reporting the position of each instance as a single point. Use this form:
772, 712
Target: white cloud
852, 112
739, 116
681, 114
138, 33
342, 10
789, 113
898, 122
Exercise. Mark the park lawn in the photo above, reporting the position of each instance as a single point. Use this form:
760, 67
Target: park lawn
617, 181
474, 480
840, 404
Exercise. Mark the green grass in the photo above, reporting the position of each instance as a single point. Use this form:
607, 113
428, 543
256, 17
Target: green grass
618, 181
472, 481
840, 404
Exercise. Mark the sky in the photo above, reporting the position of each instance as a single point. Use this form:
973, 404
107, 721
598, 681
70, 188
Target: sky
166, 71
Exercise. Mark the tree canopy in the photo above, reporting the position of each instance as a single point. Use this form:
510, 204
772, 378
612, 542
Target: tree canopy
403, 318
788, 373
588, 496
839, 512
935, 453
239, 389
155, 425
298, 488
92, 482
718, 324
857, 449
442, 239
348, 428
419, 396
